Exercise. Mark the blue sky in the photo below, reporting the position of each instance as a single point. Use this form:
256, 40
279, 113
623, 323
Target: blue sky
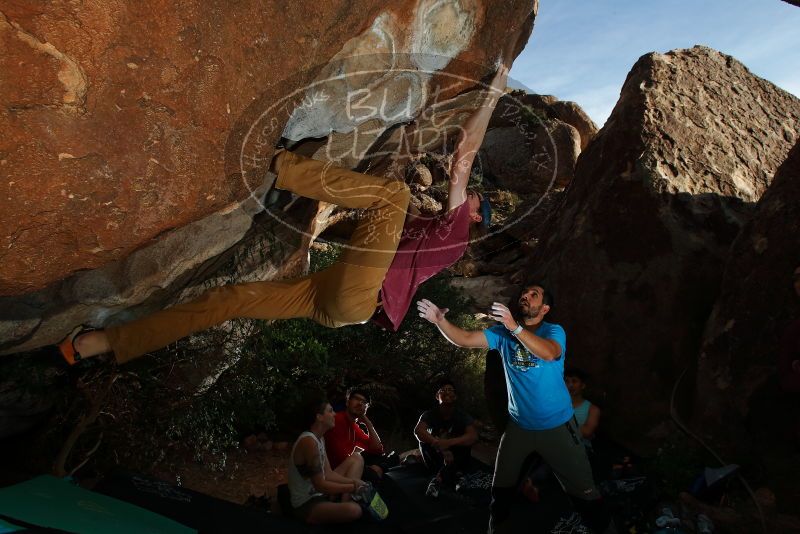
582, 50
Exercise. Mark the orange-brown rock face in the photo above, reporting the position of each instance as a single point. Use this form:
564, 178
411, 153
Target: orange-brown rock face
115, 114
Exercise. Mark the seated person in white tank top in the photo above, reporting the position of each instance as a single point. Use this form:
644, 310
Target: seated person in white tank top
586, 413
313, 485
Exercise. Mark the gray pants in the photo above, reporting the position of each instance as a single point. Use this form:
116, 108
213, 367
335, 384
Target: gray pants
561, 447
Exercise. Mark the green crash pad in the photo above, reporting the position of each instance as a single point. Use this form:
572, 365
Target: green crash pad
8, 527
52, 502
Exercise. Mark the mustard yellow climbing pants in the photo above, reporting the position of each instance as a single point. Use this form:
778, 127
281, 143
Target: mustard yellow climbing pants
345, 293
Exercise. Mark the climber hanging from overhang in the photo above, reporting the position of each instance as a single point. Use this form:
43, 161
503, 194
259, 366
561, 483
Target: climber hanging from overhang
390, 253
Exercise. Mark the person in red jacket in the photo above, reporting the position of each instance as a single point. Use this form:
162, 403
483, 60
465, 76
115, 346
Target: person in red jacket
347, 437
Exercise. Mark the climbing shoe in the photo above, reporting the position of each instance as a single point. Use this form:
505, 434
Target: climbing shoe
67, 346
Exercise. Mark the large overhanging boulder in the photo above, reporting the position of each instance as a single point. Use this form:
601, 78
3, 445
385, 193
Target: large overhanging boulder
136, 140
742, 338
636, 253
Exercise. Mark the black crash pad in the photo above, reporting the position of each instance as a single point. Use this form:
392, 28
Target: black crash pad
403, 490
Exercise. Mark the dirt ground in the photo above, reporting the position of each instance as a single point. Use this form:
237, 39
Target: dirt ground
257, 472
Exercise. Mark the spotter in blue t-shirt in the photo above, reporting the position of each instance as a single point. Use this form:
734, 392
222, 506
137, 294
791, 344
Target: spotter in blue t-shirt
537, 396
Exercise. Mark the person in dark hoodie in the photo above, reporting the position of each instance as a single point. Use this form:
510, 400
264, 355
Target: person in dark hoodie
446, 435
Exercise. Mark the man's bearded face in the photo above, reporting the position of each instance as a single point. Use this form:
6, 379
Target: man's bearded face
530, 302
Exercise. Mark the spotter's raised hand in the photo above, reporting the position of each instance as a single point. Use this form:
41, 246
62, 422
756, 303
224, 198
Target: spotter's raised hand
430, 311
502, 314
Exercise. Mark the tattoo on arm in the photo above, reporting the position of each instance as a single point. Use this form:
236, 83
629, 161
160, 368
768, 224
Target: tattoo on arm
309, 470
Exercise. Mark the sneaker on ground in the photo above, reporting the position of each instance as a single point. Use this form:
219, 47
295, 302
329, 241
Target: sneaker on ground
433, 488
570, 525
461, 482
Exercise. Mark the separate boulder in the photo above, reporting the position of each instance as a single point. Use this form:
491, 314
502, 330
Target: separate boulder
533, 143
507, 157
519, 105
572, 114
531, 161
636, 253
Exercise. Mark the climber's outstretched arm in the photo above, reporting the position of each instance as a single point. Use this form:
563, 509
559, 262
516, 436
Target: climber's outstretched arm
471, 139
475, 127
